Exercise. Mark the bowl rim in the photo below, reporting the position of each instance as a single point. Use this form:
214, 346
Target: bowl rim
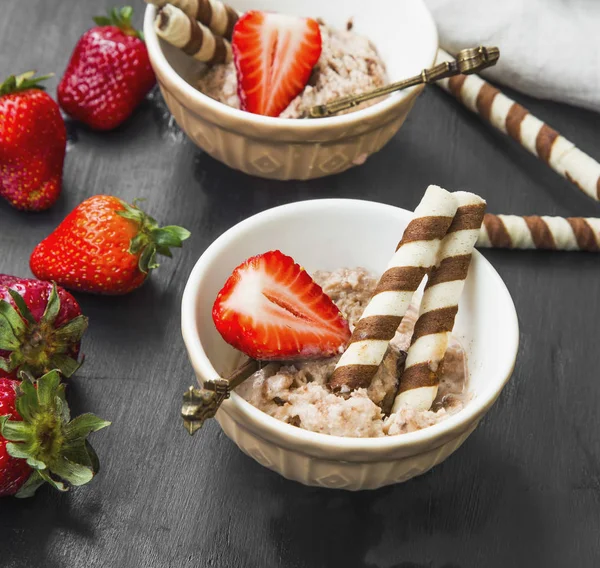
216, 108
315, 440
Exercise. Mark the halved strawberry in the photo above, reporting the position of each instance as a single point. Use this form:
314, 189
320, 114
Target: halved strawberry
270, 308
274, 55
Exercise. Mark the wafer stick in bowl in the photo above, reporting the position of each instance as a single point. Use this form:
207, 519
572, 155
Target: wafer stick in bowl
515, 120
193, 38
533, 232
216, 15
415, 256
419, 382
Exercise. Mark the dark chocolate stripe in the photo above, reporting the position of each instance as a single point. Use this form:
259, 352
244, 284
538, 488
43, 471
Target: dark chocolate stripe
220, 54
425, 229
468, 217
401, 279
573, 181
514, 118
598, 188
450, 269
419, 375
585, 235
352, 376
196, 38
455, 85
232, 18
204, 12
376, 327
544, 141
497, 232
163, 19
485, 100
435, 321
540, 233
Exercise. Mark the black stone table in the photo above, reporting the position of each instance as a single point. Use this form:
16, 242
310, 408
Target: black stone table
524, 490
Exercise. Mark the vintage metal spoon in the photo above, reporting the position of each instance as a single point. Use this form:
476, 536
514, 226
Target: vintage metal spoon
201, 404
471, 60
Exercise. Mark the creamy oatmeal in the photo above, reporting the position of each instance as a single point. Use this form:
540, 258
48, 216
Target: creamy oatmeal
297, 393
349, 64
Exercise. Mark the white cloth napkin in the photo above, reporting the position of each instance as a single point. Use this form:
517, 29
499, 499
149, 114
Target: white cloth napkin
549, 49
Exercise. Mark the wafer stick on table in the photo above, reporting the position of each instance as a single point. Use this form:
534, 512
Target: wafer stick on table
419, 382
219, 17
415, 256
195, 39
533, 232
534, 135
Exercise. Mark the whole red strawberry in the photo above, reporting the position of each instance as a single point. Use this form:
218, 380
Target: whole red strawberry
109, 73
104, 246
40, 328
38, 441
33, 139
270, 309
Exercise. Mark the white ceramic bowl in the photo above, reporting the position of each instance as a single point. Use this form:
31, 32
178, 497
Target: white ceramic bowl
328, 234
406, 37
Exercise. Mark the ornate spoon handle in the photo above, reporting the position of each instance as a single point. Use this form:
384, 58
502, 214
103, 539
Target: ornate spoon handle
471, 60
201, 404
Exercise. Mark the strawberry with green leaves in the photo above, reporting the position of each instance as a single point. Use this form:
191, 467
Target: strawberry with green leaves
41, 326
104, 246
39, 443
109, 73
33, 140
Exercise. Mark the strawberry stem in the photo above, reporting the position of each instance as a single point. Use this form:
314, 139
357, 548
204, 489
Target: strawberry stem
121, 18
151, 238
38, 346
52, 444
23, 82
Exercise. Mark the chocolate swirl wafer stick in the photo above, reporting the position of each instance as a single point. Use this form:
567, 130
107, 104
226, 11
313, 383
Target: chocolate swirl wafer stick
219, 17
419, 382
192, 37
533, 232
511, 118
415, 255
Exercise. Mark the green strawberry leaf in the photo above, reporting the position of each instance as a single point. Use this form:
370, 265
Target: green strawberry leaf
121, 18
23, 82
102, 20
52, 307
12, 327
30, 486
76, 474
22, 307
83, 425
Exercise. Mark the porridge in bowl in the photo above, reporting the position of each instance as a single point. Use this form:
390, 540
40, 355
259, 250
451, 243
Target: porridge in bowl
269, 63
349, 64
297, 392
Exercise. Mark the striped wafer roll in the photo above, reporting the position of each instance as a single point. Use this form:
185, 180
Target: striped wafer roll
516, 121
533, 232
192, 37
219, 17
419, 382
415, 255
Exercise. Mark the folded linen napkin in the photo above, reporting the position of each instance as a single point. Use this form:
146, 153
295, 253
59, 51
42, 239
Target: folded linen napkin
549, 49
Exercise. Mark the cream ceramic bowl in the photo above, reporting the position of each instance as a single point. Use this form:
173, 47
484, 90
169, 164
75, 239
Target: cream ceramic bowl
406, 37
328, 234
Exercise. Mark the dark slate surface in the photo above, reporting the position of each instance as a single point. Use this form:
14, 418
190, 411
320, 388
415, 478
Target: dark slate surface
523, 491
